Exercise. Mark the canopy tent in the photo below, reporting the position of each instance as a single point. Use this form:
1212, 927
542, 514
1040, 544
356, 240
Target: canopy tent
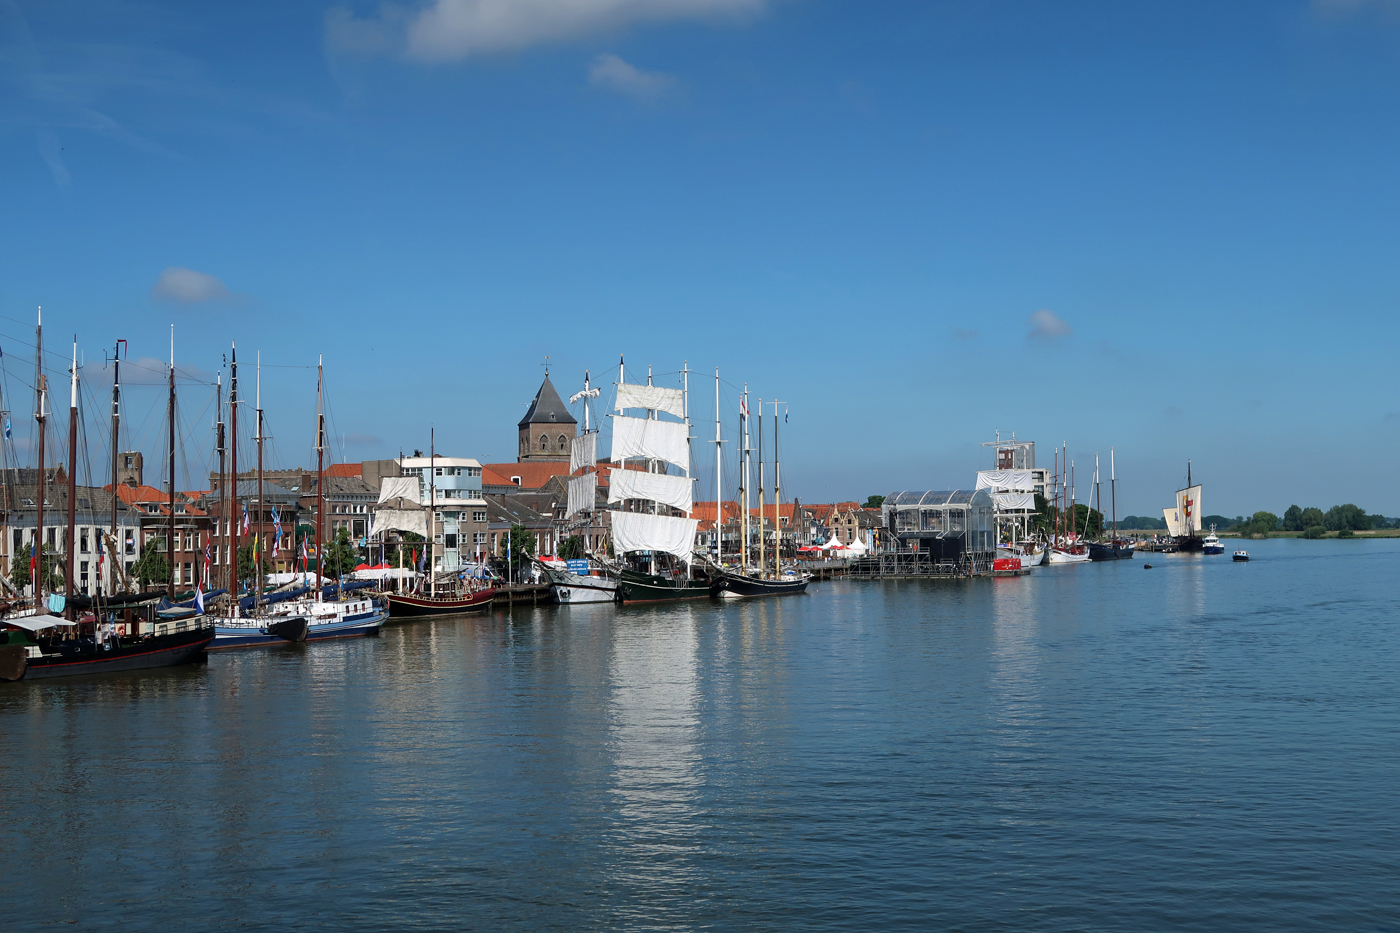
385, 573
858, 547
36, 621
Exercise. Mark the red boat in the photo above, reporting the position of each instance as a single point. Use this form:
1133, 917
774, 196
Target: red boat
402, 605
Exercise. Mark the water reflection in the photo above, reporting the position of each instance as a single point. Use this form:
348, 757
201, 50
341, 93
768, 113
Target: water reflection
654, 740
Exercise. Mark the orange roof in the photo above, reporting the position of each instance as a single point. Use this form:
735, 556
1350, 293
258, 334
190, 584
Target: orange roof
768, 512
532, 475
130, 494
705, 511
345, 469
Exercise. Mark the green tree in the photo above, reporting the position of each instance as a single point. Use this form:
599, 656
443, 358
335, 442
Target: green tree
571, 548
1313, 517
1293, 519
50, 569
247, 572
151, 568
339, 555
1314, 531
874, 502
1260, 523
1087, 518
522, 543
1346, 518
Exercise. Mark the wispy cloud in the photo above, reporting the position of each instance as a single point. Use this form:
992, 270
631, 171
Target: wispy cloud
357, 439
612, 73
961, 334
181, 286
1046, 327
450, 30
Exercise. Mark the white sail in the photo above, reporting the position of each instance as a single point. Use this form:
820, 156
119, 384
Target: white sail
653, 398
1173, 522
412, 520
676, 491
1006, 480
395, 487
638, 531
583, 452
1188, 507
582, 491
654, 440
1014, 501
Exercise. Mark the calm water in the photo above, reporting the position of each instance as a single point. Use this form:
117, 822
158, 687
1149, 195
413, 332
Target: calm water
1203, 745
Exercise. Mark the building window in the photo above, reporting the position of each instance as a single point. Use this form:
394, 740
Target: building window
83, 540
449, 541
479, 516
544, 443
563, 444
479, 539
473, 471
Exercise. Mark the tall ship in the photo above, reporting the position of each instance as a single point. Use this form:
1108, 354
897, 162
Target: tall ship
1114, 548
584, 579
749, 580
54, 638
1184, 521
653, 531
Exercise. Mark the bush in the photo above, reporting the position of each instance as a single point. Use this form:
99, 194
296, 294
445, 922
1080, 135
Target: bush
1316, 531
1346, 533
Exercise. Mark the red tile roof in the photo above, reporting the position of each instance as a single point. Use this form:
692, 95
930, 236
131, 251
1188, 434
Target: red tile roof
532, 475
345, 470
705, 511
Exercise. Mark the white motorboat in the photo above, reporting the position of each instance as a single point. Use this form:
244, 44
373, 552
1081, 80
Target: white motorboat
1212, 545
594, 587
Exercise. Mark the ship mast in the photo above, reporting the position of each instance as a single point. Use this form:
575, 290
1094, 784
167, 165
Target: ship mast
320, 475
777, 500
170, 529
219, 441
1113, 493
115, 556
260, 510
719, 497
232, 517
762, 554
744, 480
72, 484
41, 388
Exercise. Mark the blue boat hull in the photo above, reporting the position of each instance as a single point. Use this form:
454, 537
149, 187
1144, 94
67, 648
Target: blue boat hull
357, 626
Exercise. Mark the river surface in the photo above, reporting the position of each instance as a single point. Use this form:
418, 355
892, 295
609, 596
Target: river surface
1203, 745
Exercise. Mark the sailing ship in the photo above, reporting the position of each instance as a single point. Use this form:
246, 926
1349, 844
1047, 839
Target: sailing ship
750, 581
300, 617
1114, 548
596, 583
653, 533
436, 594
1065, 546
1184, 521
40, 644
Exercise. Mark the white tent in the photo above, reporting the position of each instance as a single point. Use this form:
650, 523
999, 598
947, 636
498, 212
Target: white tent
857, 547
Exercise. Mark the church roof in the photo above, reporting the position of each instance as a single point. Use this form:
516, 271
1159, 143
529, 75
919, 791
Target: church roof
547, 408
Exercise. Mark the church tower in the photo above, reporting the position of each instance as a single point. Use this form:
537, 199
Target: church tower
547, 428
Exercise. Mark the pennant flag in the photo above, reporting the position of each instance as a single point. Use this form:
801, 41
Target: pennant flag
31, 560
785, 413
199, 597
744, 405
7, 429
245, 519
276, 524
101, 553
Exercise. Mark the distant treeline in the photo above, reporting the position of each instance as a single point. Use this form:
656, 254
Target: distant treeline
1312, 522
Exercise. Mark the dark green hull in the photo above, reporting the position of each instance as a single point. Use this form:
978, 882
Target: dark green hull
645, 588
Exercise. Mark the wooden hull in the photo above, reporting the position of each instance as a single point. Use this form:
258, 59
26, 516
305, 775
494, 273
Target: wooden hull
156, 651
741, 586
648, 588
408, 606
1110, 551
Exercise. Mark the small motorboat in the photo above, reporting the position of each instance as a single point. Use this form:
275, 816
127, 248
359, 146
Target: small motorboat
1241, 555
1212, 545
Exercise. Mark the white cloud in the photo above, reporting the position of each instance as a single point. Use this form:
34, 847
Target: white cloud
611, 72
188, 287
1046, 326
447, 30
360, 439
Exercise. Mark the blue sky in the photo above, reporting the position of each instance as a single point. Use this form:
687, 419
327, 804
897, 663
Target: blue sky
1166, 228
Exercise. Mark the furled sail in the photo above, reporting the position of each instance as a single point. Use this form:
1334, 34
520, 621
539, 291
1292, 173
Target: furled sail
395, 487
654, 440
583, 452
411, 520
1014, 501
1007, 480
1188, 507
582, 491
676, 491
638, 531
654, 398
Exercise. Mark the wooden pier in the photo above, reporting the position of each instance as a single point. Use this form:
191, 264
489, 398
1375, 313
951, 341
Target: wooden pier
898, 565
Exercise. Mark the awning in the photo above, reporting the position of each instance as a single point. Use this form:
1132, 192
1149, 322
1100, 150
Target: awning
36, 622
